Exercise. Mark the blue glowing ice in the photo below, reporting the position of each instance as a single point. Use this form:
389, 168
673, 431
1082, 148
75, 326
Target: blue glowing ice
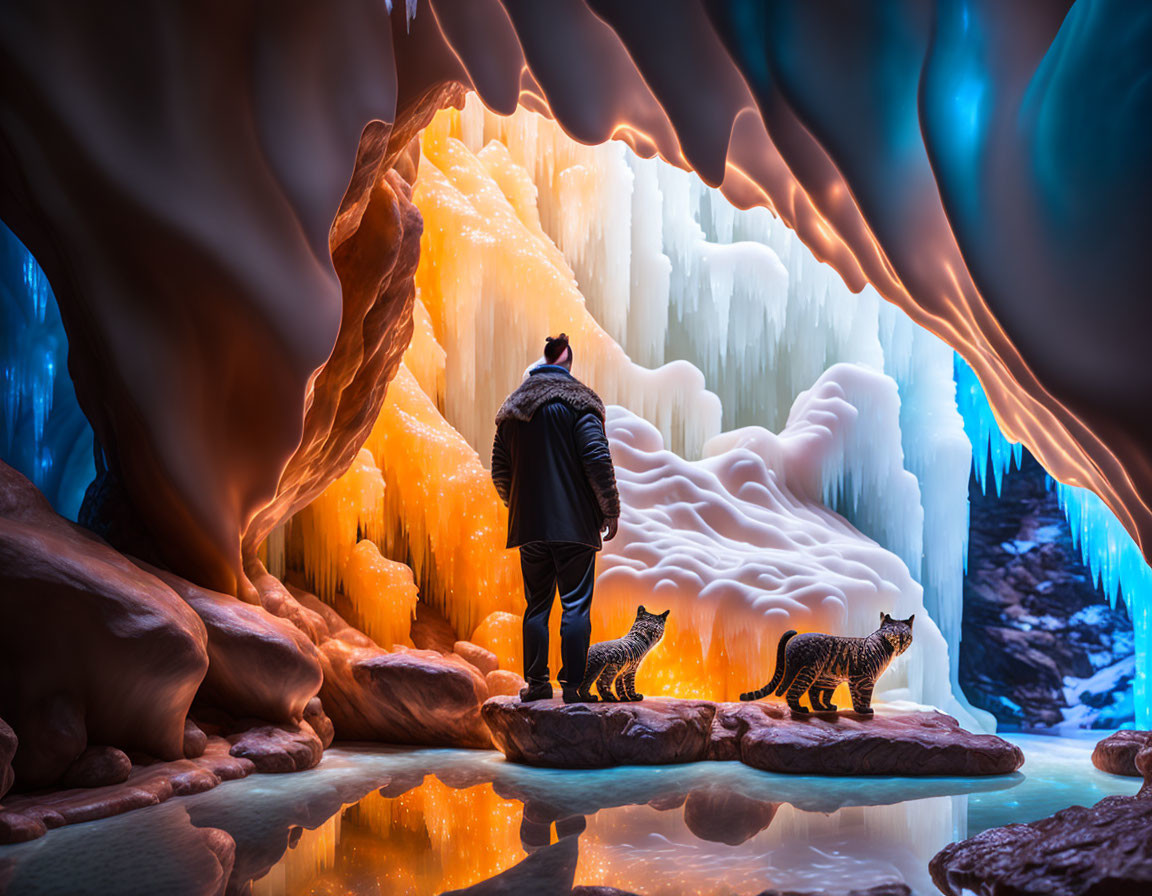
988, 442
1118, 567
44, 434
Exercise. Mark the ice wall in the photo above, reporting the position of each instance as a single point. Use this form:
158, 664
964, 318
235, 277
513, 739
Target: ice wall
1118, 567
673, 271
494, 285
43, 433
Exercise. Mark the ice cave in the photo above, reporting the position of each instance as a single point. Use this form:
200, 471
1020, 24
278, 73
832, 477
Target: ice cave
325, 328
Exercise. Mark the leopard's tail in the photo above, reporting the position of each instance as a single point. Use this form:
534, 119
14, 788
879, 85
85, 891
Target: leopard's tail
777, 675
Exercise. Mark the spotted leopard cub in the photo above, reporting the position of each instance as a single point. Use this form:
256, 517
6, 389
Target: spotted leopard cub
817, 663
617, 660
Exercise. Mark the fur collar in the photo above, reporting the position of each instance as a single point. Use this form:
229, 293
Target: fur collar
542, 386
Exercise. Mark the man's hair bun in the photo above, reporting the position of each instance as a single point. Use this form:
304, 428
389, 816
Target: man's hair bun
554, 347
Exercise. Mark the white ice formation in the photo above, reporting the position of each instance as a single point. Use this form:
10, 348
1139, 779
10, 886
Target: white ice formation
741, 546
672, 271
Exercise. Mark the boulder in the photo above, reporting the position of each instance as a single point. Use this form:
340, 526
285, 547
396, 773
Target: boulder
503, 683
403, 696
278, 748
195, 740
480, 657
550, 733
98, 767
1102, 849
259, 665
1116, 754
918, 743
766, 736
104, 651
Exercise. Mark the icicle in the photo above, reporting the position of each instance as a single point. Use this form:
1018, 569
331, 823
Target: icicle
989, 445
440, 511
332, 524
494, 284
937, 452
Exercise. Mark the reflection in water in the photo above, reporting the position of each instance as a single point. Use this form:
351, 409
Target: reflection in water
309, 853
378, 821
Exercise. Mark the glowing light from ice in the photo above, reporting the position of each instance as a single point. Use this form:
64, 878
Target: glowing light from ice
672, 271
43, 433
990, 447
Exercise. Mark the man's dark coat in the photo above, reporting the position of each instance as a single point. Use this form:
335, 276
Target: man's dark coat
550, 461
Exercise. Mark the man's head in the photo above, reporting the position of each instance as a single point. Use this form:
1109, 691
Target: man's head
557, 351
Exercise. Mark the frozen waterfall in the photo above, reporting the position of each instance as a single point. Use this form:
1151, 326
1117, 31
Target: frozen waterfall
672, 271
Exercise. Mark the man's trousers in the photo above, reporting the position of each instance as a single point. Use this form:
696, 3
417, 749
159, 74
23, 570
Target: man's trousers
571, 568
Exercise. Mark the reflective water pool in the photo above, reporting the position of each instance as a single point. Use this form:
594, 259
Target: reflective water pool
376, 821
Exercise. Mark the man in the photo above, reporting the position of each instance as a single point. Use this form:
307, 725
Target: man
552, 468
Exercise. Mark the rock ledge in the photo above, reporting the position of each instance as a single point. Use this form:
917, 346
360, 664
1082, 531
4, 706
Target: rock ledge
661, 731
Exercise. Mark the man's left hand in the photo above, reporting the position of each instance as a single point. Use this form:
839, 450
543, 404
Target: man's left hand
610, 526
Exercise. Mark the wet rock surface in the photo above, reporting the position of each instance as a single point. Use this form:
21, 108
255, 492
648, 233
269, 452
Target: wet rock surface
913, 743
599, 735
1040, 644
27, 816
1116, 754
763, 735
1102, 849
278, 749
